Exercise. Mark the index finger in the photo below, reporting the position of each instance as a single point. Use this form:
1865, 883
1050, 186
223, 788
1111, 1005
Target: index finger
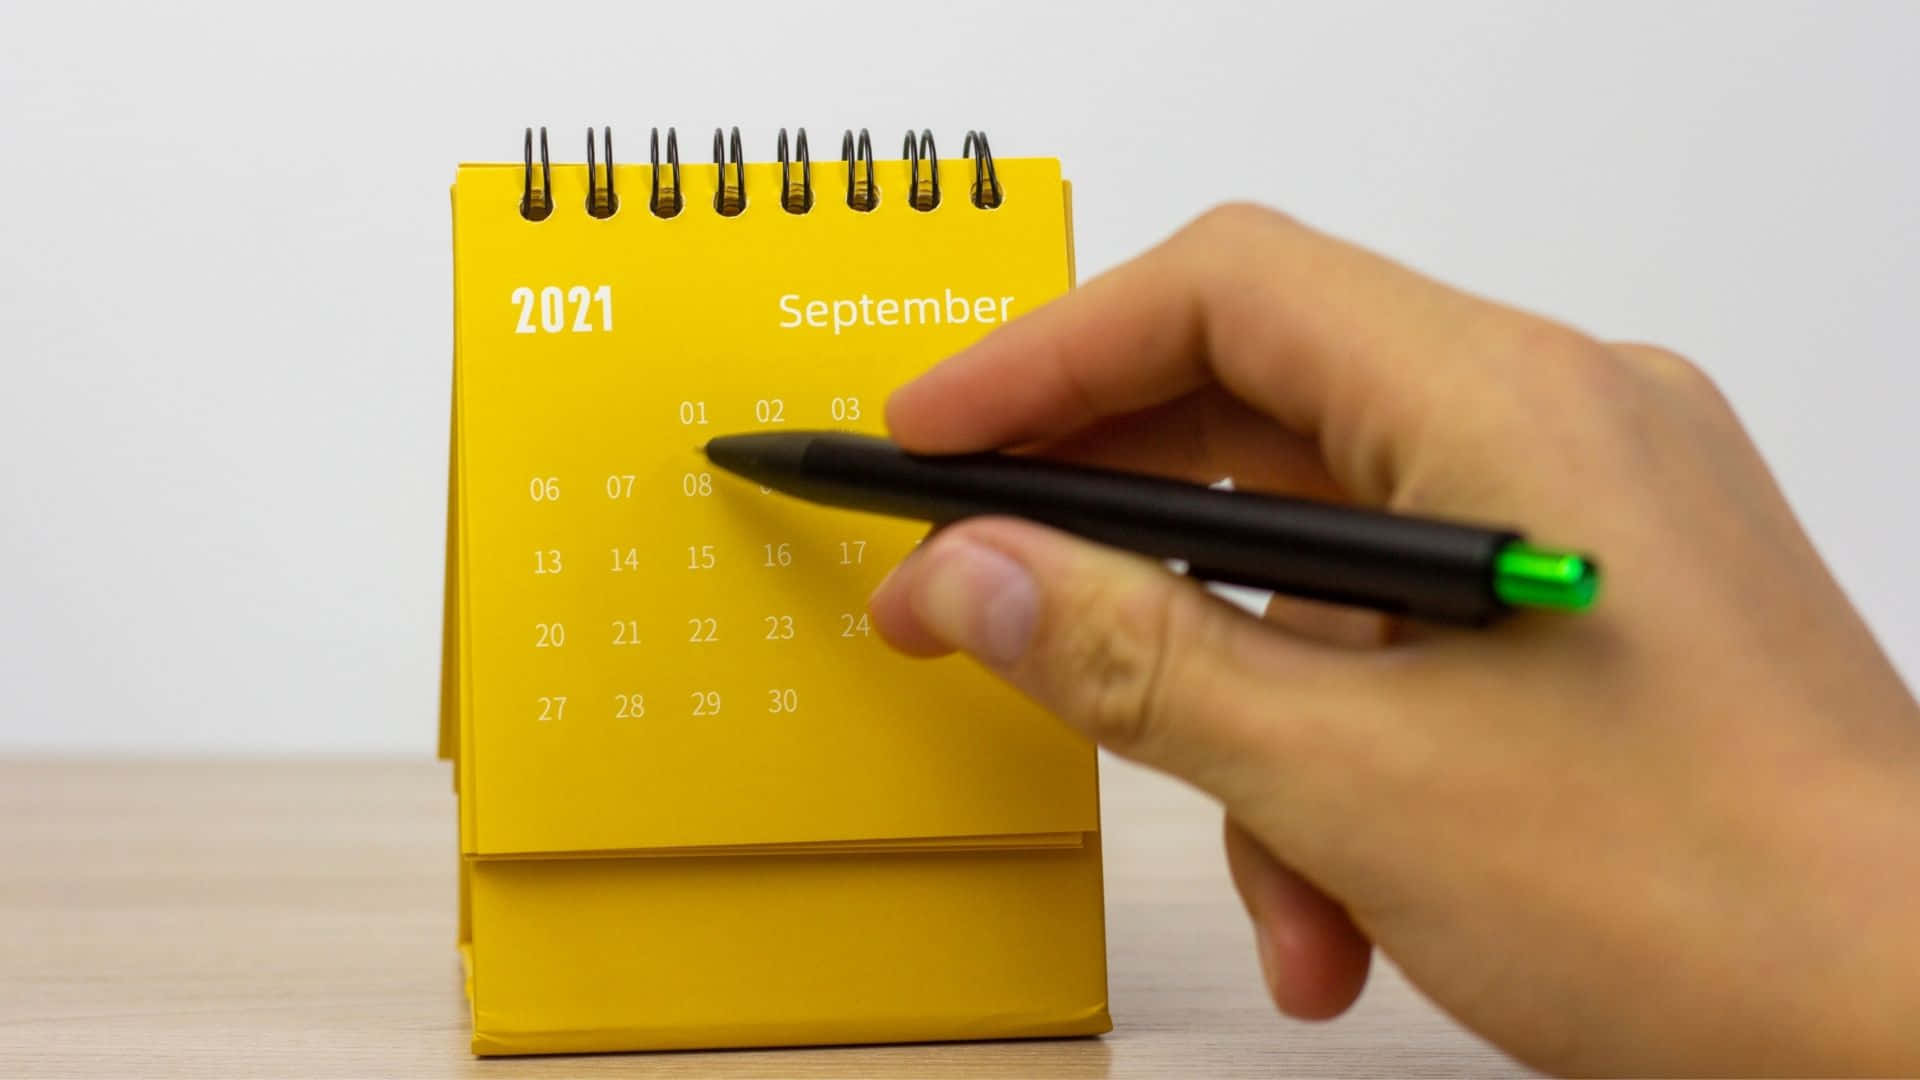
1307, 328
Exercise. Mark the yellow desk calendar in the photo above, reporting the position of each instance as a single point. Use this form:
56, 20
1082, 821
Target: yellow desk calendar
700, 803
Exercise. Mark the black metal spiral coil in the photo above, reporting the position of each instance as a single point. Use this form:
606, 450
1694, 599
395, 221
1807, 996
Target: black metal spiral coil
667, 197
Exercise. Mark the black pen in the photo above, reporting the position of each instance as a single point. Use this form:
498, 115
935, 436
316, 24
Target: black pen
1439, 570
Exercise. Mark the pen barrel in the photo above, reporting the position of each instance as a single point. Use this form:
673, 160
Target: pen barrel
1424, 567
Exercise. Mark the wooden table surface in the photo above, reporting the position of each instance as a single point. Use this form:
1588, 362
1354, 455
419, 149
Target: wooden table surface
296, 918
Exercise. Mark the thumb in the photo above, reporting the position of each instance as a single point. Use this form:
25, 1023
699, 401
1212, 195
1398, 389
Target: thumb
1138, 659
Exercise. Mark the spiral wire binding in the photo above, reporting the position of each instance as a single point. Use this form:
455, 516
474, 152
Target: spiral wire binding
729, 199
667, 198
601, 204
536, 203
987, 193
666, 201
922, 196
862, 193
795, 198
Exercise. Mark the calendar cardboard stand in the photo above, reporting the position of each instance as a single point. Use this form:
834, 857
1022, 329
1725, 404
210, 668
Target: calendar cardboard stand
700, 803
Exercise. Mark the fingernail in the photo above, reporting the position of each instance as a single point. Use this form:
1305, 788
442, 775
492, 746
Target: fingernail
1263, 948
977, 599
886, 580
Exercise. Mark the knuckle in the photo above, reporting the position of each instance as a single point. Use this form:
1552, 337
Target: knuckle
1674, 373
1654, 360
1542, 361
1120, 658
1224, 246
1515, 370
1233, 219
1544, 345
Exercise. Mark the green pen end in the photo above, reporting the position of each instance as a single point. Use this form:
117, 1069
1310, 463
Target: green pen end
1533, 577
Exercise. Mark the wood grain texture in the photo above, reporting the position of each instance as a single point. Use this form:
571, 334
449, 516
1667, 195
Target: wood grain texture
296, 918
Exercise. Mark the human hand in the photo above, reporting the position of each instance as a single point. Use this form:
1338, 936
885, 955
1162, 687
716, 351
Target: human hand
1673, 834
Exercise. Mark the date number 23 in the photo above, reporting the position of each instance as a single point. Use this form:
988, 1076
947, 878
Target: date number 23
574, 310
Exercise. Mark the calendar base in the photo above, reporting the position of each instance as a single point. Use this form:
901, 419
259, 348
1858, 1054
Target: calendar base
578, 955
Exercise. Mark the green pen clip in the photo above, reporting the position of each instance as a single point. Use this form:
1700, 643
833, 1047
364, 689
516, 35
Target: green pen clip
1534, 577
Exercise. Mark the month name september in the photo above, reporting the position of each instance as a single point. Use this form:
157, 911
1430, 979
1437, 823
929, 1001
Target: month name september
799, 312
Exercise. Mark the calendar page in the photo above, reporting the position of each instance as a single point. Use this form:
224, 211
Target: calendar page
647, 654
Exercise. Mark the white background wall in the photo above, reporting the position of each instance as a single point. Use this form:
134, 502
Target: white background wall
224, 273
